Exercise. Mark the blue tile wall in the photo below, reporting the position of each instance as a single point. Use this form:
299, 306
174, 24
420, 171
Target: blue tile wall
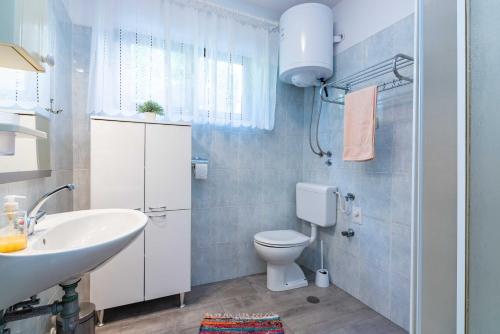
250, 188
374, 266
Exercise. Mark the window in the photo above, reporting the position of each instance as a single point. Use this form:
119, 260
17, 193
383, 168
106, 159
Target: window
228, 85
24, 90
144, 67
202, 64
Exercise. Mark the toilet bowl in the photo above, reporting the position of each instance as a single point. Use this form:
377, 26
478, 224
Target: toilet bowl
280, 249
315, 204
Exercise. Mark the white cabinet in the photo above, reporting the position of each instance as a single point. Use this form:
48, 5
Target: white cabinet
168, 254
24, 34
117, 165
147, 167
120, 281
168, 167
117, 181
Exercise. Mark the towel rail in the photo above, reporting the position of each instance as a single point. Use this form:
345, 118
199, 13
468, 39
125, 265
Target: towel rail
392, 65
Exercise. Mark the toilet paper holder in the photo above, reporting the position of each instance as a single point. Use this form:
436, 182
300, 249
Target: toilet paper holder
201, 163
197, 160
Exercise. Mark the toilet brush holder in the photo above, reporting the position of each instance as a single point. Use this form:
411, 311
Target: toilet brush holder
322, 278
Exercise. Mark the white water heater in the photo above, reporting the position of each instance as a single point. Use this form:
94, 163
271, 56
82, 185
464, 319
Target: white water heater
306, 44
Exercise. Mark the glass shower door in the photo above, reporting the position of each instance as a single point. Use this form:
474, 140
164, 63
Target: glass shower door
483, 160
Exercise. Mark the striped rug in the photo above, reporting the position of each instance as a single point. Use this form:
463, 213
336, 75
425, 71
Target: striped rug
242, 323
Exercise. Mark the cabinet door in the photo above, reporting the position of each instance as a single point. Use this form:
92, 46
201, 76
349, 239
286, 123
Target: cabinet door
24, 34
117, 165
117, 181
168, 167
33, 27
168, 254
120, 281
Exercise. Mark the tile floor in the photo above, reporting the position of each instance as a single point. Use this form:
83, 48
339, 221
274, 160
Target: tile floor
337, 312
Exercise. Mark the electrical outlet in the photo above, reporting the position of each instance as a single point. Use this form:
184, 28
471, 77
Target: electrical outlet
357, 217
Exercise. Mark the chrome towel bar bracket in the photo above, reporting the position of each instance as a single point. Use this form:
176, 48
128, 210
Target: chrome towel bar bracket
392, 65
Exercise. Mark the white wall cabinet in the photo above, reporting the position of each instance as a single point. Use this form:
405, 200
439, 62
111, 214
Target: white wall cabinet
24, 34
147, 167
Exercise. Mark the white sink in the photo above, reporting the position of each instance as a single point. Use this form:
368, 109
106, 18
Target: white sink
63, 248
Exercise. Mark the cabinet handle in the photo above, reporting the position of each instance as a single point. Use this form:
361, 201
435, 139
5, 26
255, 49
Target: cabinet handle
160, 216
158, 209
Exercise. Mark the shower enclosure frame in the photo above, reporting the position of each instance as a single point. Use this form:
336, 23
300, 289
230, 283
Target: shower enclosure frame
437, 177
463, 140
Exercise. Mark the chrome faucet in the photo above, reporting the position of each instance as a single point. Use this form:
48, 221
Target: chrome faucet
34, 213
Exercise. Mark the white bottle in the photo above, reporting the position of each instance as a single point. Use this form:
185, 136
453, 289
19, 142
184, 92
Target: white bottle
10, 205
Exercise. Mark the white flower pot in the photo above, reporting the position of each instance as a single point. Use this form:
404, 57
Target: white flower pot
150, 116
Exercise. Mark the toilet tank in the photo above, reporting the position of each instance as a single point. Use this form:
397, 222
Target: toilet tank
316, 203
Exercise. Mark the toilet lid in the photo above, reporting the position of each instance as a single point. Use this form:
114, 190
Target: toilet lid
281, 238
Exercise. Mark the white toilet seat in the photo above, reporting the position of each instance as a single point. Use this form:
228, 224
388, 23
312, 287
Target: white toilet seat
281, 239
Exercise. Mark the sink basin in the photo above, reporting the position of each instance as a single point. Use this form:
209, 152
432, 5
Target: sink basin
63, 248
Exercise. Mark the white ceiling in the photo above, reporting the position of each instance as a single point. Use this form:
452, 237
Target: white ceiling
81, 10
269, 9
277, 7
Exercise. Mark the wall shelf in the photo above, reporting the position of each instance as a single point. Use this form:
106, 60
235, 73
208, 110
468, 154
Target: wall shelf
390, 67
22, 130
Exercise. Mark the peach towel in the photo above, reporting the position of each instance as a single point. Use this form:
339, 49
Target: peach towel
359, 124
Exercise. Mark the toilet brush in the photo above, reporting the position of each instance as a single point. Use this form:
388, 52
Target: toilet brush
322, 278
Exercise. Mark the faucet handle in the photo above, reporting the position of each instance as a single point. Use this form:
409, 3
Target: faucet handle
32, 221
349, 233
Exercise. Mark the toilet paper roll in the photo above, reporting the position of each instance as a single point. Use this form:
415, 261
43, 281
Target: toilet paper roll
200, 171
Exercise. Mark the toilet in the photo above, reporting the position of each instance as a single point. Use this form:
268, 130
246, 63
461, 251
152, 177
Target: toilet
316, 204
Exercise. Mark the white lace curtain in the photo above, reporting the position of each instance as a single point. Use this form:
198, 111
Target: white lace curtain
201, 62
23, 90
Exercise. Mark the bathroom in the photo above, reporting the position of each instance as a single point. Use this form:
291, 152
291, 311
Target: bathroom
181, 166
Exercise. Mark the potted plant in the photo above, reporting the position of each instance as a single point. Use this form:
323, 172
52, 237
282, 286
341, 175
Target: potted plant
150, 109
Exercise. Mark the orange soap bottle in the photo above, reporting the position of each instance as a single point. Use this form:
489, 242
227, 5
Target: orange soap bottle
13, 233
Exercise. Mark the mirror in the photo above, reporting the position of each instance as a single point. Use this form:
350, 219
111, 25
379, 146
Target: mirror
30, 155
